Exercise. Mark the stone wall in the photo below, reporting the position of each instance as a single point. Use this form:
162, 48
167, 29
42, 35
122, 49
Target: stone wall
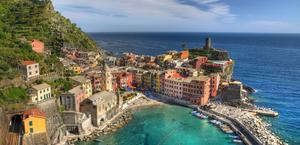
4, 128
54, 120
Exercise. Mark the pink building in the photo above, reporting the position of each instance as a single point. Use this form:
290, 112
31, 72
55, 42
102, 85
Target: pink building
122, 79
199, 61
193, 89
37, 46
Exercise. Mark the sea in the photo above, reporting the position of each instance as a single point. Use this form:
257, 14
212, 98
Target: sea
270, 63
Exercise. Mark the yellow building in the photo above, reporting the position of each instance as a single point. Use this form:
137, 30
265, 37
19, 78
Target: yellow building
34, 121
157, 81
76, 69
86, 84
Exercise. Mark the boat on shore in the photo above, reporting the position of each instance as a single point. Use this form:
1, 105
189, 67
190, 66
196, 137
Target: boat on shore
97, 140
199, 115
237, 141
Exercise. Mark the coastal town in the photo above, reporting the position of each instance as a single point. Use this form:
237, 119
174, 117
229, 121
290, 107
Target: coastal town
98, 94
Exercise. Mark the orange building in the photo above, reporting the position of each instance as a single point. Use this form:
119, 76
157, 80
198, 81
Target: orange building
34, 121
184, 54
37, 46
214, 84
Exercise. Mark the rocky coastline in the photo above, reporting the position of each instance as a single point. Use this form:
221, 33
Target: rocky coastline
113, 126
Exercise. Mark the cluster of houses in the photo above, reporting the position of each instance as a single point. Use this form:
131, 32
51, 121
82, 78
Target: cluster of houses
95, 95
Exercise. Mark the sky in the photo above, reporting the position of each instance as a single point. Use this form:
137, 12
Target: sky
262, 16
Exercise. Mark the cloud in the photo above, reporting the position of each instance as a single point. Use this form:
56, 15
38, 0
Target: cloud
148, 15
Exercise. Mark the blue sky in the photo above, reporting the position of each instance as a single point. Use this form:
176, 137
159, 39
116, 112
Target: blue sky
264, 16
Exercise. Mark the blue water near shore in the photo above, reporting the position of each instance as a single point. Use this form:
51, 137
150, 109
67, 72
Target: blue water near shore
268, 62
166, 125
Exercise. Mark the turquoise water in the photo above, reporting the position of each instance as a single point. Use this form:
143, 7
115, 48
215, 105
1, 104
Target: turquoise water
165, 125
267, 62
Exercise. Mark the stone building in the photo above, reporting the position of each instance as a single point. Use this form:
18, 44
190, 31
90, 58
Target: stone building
30, 70
233, 92
101, 106
40, 92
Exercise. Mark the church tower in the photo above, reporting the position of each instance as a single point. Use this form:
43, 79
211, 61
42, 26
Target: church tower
107, 76
207, 43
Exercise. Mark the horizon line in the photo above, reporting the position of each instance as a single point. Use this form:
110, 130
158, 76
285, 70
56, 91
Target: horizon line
194, 32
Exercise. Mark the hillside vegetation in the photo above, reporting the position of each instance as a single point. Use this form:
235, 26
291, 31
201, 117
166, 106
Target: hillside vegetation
24, 20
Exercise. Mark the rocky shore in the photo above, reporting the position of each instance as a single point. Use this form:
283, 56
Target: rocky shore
257, 127
113, 126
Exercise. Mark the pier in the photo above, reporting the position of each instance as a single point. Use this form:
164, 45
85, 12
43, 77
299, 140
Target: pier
236, 126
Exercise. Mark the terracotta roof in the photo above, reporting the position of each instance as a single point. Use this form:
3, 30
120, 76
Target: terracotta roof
28, 62
33, 112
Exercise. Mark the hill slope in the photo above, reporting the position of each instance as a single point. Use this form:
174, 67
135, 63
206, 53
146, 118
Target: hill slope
24, 20
37, 19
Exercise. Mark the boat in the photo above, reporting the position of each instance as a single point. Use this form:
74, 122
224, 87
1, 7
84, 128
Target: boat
237, 141
97, 140
229, 131
202, 116
234, 136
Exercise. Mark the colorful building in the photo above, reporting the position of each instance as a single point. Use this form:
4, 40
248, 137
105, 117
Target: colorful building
37, 46
214, 84
123, 79
34, 121
184, 54
30, 70
71, 100
85, 84
40, 93
199, 61
193, 89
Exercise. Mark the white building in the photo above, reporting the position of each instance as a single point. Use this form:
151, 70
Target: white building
40, 93
30, 70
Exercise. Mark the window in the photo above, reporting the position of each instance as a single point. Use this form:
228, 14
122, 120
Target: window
35, 66
31, 130
29, 73
30, 123
29, 67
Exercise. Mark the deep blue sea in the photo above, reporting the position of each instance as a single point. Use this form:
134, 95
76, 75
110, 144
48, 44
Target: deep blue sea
270, 63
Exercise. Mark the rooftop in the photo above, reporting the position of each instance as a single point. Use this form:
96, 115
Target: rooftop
102, 96
79, 79
28, 62
41, 86
33, 112
76, 90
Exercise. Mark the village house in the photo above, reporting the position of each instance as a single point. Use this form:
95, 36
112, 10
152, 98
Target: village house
198, 62
37, 46
70, 101
85, 84
214, 84
184, 54
40, 93
30, 70
122, 79
101, 106
34, 121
